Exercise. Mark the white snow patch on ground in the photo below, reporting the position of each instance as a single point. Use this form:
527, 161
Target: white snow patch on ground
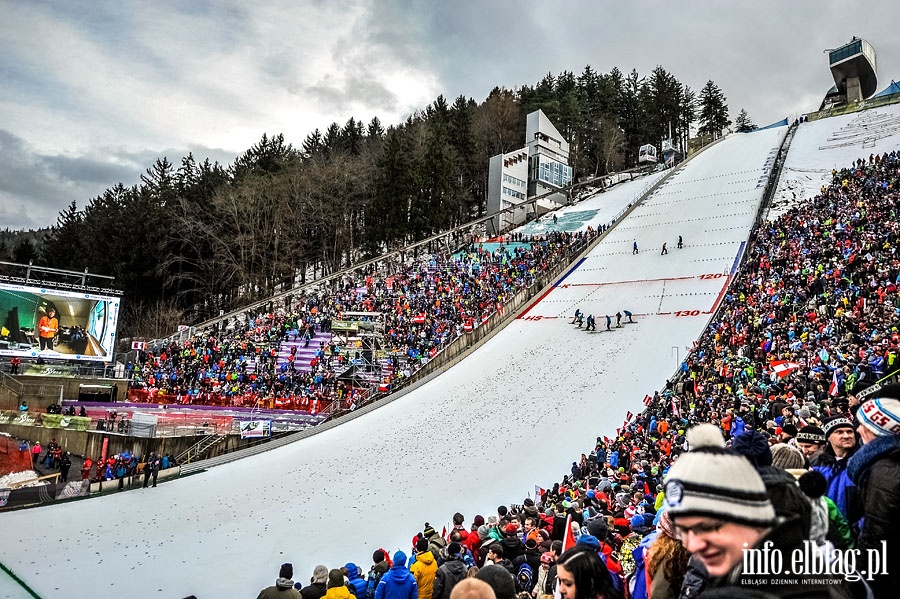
820, 146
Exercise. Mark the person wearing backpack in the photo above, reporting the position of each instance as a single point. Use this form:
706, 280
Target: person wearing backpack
450, 573
532, 559
524, 578
378, 569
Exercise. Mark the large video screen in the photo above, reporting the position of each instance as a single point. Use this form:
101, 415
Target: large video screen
53, 323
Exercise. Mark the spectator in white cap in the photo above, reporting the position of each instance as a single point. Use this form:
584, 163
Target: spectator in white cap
719, 507
875, 468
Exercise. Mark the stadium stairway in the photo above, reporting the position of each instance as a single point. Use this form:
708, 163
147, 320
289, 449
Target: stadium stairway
304, 354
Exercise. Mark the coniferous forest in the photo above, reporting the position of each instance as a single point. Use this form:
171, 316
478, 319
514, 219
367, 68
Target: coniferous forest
196, 237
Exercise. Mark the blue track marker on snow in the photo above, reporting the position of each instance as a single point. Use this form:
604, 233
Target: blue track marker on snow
571, 270
737, 259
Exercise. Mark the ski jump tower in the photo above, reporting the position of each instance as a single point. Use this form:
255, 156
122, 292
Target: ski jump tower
854, 71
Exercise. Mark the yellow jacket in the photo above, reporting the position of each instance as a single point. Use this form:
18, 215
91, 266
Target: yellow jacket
424, 570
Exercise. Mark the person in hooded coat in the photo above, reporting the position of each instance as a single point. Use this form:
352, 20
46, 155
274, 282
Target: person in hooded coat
512, 546
424, 569
398, 583
357, 582
337, 587
450, 573
283, 587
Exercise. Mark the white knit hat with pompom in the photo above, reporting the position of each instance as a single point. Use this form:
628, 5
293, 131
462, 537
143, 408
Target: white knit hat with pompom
711, 482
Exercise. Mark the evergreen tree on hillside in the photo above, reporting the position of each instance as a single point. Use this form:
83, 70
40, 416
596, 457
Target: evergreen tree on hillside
632, 118
687, 114
312, 144
374, 129
388, 213
743, 123
713, 110
65, 244
25, 251
268, 156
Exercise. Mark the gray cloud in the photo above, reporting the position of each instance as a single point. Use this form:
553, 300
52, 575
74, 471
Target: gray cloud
122, 84
35, 187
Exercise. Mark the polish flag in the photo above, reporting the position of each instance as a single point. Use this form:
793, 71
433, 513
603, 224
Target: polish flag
783, 368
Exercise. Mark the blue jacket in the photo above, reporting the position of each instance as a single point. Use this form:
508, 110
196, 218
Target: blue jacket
359, 584
840, 487
638, 583
398, 583
738, 427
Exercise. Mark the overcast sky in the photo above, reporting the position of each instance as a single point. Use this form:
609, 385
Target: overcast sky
91, 93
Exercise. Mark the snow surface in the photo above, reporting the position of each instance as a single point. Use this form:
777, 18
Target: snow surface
820, 146
18, 477
598, 208
512, 415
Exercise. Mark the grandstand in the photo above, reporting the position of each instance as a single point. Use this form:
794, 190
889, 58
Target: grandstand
539, 391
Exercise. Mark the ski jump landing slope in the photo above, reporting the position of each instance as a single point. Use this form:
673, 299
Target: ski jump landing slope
510, 416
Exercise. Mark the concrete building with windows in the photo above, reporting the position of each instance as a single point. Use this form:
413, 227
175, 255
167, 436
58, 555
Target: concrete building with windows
853, 67
540, 172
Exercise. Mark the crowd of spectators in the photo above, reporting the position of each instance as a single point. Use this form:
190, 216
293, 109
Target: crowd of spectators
416, 311
779, 434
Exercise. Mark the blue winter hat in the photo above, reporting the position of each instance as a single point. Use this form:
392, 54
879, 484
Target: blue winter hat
399, 559
589, 540
753, 446
638, 522
591, 493
352, 569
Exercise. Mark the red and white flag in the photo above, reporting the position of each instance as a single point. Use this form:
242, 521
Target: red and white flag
647, 400
569, 538
783, 368
833, 389
628, 417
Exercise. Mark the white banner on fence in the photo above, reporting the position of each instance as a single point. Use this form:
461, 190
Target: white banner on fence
256, 428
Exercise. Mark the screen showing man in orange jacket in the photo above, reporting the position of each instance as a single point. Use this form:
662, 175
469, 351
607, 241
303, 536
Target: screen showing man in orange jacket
48, 326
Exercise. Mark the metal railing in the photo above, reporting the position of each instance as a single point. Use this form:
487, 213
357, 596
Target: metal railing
43, 391
12, 384
199, 448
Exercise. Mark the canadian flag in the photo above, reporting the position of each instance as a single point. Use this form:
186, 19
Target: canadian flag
833, 389
783, 368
